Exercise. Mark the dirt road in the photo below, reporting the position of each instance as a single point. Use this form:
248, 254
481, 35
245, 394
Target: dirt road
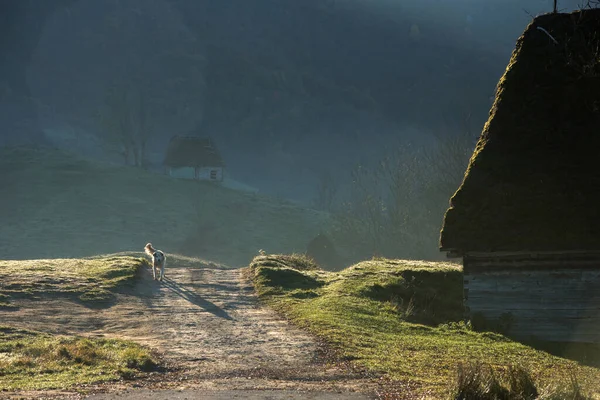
207, 323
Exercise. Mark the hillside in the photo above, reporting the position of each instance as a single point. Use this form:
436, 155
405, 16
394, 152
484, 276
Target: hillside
55, 204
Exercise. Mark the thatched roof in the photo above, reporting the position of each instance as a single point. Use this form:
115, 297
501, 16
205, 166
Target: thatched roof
533, 182
191, 151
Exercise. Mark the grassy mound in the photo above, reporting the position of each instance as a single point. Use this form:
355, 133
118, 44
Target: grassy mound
296, 274
88, 280
33, 361
402, 319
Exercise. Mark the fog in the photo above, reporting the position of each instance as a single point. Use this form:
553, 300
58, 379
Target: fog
365, 111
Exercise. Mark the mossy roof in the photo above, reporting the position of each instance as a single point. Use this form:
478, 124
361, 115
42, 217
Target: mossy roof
533, 181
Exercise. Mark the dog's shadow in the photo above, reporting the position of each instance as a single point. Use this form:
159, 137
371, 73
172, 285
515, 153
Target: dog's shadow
194, 298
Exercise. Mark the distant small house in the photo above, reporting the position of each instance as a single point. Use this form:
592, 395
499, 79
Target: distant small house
526, 218
193, 157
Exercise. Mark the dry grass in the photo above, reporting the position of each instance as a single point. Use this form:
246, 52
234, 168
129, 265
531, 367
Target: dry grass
478, 381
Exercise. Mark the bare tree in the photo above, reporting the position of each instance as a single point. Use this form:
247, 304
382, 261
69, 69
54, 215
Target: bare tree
140, 127
327, 190
451, 150
396, 207
124, 119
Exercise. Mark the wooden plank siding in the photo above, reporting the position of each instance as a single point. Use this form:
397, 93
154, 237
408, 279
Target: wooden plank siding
553, 297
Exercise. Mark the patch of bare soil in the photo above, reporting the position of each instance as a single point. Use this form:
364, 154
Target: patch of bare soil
208, 326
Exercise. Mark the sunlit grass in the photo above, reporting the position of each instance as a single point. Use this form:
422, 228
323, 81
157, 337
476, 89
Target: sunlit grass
402, 319
32, 360
87, 280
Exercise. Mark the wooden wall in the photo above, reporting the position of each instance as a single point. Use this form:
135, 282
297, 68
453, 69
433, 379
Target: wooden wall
554, 297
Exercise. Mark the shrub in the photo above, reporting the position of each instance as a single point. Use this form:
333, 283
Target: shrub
480, 382
521, 385
139, 359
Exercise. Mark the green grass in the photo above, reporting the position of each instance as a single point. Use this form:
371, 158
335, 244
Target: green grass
33, 361
89, 280
402, 319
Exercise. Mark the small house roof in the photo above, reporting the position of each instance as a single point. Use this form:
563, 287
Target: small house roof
192, 151
533, 181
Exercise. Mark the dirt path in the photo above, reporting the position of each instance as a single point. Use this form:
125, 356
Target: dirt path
207, 323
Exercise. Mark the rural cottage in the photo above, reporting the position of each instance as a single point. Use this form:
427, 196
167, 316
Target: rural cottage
194, 158
526, 219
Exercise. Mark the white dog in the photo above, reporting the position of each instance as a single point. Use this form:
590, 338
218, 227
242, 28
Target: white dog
158, 260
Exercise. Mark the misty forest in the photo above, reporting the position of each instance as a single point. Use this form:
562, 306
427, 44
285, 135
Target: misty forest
349, 199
